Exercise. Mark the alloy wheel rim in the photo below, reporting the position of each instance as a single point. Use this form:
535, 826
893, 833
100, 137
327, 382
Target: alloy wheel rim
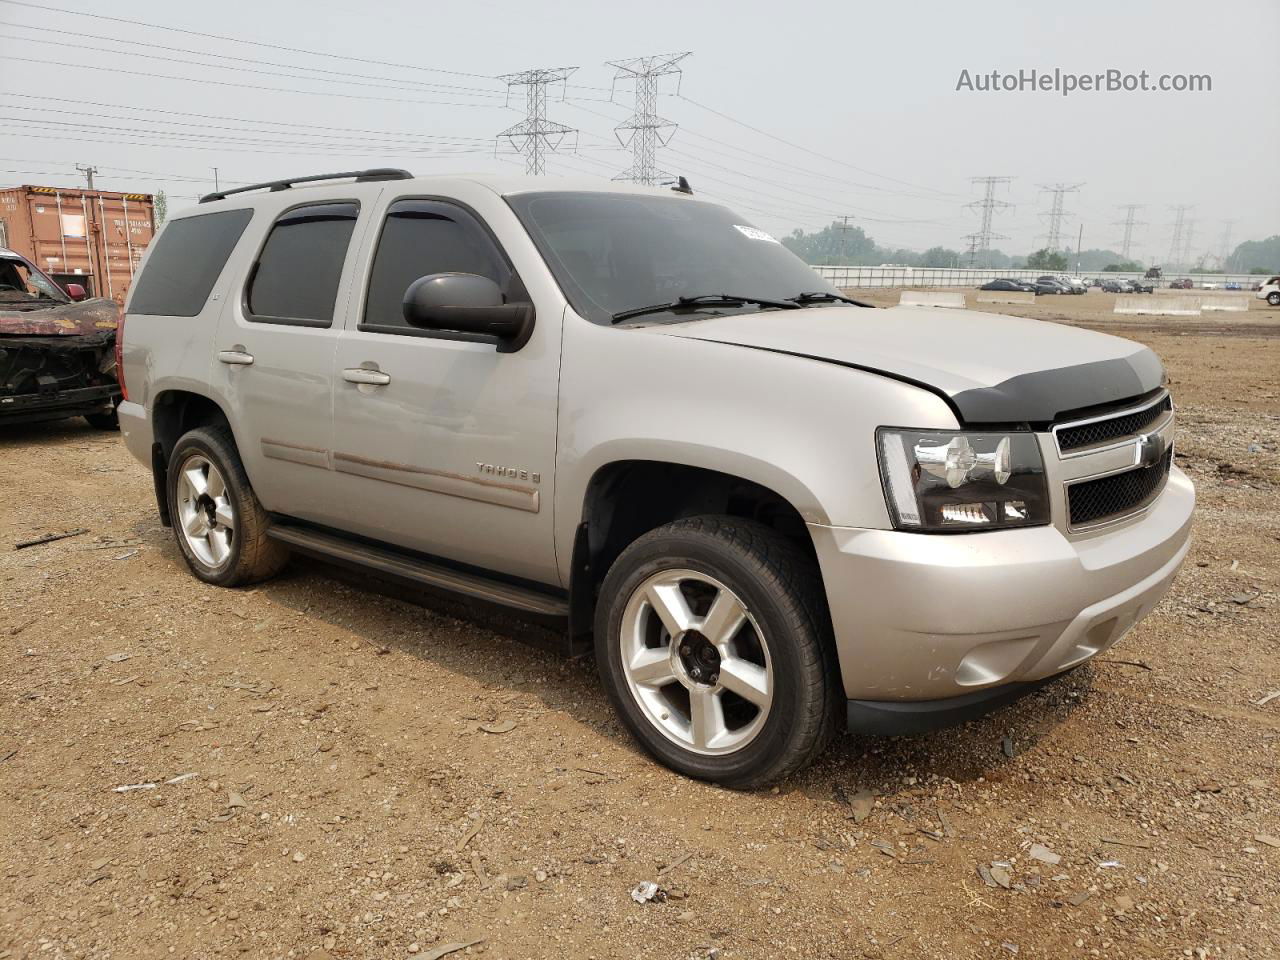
696, 662
206, 517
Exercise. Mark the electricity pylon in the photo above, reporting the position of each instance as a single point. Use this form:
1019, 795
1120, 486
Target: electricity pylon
535, 134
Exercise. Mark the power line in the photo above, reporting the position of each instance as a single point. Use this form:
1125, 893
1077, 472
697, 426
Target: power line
357, 150
343, 79
215, 116
1056, 213
980, 242
246, 86
535, 134
643, 131
755, 179
449, 87
753, 156
256, 136
256, 43
796, 146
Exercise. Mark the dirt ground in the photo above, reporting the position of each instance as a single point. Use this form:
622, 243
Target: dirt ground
340, 773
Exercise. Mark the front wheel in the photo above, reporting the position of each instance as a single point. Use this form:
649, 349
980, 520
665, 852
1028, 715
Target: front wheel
713, 642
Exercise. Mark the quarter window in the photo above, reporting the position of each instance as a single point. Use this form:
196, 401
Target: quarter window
295, 280
422, 237
185, 263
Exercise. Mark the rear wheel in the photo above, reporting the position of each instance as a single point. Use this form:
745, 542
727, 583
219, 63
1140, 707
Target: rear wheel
103, 421
217, 520
1274, 299
712, 639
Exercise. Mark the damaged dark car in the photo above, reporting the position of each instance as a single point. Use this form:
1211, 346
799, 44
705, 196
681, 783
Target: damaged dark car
57, 349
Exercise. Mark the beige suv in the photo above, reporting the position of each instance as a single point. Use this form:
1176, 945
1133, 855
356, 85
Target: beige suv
774, 511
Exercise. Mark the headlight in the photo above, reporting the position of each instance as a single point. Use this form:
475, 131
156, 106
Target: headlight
947, 480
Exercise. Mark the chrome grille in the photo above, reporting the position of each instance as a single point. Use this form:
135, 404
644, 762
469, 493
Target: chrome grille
1094, 501
1102, 430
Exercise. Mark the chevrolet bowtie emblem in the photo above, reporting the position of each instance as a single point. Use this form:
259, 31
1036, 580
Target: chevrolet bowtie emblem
1150, 448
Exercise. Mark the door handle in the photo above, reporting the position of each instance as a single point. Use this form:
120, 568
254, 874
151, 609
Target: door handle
365, 375
235, 357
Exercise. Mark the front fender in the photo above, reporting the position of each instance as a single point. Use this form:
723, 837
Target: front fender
803, 428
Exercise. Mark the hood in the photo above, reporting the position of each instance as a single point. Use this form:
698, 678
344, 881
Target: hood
990, 368
59, 319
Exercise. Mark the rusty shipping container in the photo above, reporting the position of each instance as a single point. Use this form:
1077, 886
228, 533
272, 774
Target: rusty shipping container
95, 238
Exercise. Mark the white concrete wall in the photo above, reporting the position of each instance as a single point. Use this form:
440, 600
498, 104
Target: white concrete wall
976, 277
931, 298
1168, 306
1225, 302
1006, 296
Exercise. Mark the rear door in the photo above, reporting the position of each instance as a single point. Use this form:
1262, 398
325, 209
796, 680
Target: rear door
441, 443
273, 357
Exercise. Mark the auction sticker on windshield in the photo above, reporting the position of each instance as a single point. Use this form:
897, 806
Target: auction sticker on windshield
752, 233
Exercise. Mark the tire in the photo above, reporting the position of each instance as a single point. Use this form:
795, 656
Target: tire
222, 531
782, 645
1273, 299
103, 421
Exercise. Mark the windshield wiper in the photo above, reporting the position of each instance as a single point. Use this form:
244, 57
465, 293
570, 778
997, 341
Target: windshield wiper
804, 299
703, 300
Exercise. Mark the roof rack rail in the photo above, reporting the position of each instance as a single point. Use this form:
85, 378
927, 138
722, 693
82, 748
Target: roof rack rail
361, 176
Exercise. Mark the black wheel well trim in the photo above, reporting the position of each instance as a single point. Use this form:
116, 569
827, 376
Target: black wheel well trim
604, 530
174, 413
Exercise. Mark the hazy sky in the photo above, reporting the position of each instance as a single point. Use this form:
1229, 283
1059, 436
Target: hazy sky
861, 98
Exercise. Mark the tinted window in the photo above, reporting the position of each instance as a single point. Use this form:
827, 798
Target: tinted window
185, 263
612, 252
296, 277
421, 237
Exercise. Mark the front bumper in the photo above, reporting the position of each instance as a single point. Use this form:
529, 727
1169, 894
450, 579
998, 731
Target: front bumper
58, 404
920, 617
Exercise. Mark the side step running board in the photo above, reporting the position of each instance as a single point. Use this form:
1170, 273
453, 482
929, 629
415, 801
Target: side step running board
379, 560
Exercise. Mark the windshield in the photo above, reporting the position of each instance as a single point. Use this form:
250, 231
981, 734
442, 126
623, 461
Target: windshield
613, 252
19, 282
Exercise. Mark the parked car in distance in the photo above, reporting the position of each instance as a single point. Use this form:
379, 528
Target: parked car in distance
1182, 283
1015, 286
1053, 283
1141, 287
57, 348
1270, 292
1112, 286
1074, 284
1210, 285
775, 510
1232, 285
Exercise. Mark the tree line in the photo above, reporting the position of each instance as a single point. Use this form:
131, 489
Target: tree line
845, 245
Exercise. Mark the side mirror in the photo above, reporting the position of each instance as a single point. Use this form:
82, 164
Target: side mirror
469, 304
76, 292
